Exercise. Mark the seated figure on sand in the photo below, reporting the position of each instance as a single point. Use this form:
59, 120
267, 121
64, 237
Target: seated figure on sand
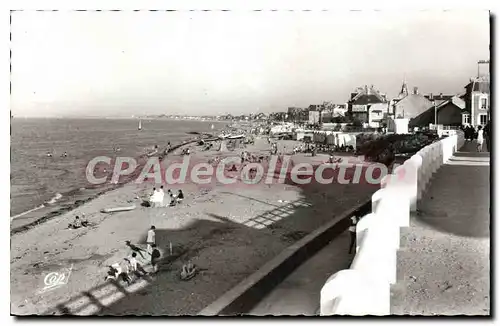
77, 223
180, 196
173, 201
116, 273
188, 271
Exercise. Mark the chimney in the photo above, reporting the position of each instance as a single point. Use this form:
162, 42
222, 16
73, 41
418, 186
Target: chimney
415, 90
431, 97
366, 89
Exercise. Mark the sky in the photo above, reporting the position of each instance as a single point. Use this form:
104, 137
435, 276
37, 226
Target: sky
71, 63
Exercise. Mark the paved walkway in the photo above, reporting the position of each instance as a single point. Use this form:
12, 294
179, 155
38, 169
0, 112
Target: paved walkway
299, 293
443, 266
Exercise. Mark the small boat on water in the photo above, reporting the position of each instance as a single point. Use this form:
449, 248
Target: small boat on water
140, 125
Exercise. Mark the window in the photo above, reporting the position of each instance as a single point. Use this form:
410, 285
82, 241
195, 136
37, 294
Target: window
484, 102
483, 119
466, 119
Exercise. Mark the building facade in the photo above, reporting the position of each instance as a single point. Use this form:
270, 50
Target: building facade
447, 113
362, 101
409, 105
477, 102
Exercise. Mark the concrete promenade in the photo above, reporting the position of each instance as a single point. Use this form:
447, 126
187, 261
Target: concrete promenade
444, 260
299, 293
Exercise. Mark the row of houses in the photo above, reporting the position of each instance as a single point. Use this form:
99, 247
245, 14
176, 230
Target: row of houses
469, 107
316, 113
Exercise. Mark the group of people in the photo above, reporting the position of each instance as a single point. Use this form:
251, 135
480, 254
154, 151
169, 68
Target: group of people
482, 135
157, 198
247, 157
129, 267
78, 223
65, 154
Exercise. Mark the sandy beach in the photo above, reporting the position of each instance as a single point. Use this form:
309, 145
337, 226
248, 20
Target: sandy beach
227, 231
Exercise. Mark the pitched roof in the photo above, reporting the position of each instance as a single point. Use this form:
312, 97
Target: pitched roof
412, 106
365, 99
366, 95
439, 97
456, 100
479, 85
427, 116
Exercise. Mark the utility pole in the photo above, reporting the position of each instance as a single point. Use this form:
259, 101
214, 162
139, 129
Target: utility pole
435, 114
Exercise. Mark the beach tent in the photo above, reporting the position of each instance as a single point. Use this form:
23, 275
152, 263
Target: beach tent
223, 146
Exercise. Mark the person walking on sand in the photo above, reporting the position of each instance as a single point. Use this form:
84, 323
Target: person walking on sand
161, 196
155, 257
151, 240
352, 233
480, 138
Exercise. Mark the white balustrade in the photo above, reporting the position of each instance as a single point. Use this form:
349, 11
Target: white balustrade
354, 293
364, 289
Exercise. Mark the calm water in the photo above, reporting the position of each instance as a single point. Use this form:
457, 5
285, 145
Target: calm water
36, 178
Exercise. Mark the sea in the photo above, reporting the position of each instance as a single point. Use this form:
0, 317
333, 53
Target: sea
38, 180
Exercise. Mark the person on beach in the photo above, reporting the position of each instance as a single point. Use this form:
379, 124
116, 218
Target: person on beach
487, 135
151, 239
172, 200
352, 233
180, 196
135, 249
480, 138
76, 223
155, 257
116, 272
113, 272
157, 198
135, 267
125, 270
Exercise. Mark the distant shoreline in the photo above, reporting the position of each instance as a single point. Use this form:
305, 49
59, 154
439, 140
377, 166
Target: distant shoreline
123, 118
